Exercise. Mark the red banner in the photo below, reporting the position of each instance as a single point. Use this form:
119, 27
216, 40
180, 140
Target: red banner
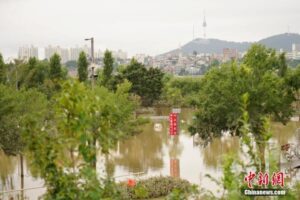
173, 126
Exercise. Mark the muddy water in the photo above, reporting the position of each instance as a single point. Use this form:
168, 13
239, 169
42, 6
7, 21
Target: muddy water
153, 152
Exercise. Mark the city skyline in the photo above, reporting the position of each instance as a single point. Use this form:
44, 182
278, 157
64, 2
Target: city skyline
140, 26
66, 53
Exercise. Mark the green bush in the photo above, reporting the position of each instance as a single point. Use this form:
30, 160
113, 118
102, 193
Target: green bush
154, 187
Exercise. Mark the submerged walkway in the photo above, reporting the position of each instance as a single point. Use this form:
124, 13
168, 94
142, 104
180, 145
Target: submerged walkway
159, 117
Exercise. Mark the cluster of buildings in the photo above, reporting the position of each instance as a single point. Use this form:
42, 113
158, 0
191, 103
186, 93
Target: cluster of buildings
194, 64
66, 54
175, 63
295, 54
27, 52
183, 64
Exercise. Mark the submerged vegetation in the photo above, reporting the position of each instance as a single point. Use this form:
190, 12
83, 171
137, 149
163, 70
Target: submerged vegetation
62, 123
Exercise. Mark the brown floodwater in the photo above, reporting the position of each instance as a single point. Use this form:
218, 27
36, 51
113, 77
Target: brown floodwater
153, 152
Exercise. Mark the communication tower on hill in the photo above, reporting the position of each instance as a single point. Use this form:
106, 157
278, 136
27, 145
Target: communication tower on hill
204, 25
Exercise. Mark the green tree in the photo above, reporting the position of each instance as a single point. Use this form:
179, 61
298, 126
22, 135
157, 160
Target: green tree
218, 104
81, 116
181, 91
82, 67
107, 69
36, 73
55, 67
283, 67
146, 83
292, 79
16, 110
3, 70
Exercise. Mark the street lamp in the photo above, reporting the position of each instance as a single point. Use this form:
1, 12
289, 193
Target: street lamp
92, 56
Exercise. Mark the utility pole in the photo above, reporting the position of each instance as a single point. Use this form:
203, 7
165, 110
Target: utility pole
20, 153
94, 164
93, 59
22, 175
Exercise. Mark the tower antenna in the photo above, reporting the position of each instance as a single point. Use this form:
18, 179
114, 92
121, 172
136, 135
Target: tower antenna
204, 25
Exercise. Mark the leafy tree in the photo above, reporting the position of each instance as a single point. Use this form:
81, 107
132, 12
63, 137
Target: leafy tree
82, 67
37, 73
107, 69
9, 136
236, 167
55, 67
283, 67
16, 110
181, 91
219, 100
3, 75
146, 83
292, 79
81, 117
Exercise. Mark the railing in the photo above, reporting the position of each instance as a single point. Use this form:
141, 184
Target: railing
137, 174
19, 194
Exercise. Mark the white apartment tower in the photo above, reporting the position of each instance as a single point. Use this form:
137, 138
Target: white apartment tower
26, 52
74, 52
63, 53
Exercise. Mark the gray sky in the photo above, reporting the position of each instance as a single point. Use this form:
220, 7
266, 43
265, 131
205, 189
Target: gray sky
140, 26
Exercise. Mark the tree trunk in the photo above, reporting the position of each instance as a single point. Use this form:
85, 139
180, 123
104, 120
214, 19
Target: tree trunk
261, 148
22, 176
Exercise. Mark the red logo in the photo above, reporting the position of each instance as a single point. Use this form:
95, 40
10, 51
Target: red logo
263, 179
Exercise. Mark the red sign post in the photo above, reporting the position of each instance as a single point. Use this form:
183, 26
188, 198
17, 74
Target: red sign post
173, 127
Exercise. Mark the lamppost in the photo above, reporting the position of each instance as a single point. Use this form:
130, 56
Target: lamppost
92, 56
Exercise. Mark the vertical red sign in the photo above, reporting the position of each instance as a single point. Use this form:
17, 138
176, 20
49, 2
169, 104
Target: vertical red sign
173, 128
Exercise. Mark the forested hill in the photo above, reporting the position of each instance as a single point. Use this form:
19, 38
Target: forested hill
199, 45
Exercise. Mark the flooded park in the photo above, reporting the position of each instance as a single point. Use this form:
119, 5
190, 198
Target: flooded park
154, 152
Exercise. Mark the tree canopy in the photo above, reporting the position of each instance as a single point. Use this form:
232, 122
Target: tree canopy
106, 76
219, 100
82, 67
146, 83
3, 76
17, 110
81, 116
55, 67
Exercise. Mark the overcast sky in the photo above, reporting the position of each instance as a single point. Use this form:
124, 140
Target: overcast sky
140, 26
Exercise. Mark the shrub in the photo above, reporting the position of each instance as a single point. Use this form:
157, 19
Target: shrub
154, 187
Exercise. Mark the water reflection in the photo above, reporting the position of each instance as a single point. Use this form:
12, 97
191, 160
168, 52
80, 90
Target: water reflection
284, 134
141, 152
175, 167
11, 181
156, 153
7, 167
214, 151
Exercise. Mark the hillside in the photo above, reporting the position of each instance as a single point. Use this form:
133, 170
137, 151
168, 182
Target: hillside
281, 41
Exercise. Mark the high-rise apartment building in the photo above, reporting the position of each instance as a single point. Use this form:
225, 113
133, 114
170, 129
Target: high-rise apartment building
295, 55
296, 47
74, 52
62, 52
26, 52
